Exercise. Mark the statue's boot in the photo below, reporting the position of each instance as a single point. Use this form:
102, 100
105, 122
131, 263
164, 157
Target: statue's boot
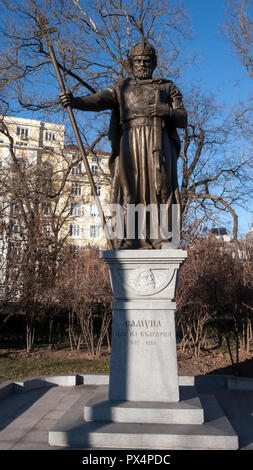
135, 245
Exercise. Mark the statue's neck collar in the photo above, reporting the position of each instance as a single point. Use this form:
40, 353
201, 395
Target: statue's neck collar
147, 81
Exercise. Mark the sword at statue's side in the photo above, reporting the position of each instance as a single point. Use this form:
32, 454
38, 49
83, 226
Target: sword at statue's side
42, 22
157, 150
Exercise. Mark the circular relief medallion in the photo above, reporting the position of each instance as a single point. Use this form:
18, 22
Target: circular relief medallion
146, 281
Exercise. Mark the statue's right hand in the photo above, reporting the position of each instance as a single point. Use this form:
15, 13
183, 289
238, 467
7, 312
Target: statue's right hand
66, 98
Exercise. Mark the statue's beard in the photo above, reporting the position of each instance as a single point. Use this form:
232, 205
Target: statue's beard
143, 74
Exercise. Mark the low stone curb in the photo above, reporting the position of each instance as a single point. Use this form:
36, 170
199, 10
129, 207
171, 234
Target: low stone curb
218, 381
200, 381
8, 387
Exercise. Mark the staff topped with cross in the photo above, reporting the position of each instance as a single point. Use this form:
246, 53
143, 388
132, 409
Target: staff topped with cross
43, 31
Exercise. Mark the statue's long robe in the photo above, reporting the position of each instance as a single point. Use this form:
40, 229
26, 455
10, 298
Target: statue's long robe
132, 135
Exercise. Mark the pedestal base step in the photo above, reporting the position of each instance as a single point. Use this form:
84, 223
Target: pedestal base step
187, 411
216, 433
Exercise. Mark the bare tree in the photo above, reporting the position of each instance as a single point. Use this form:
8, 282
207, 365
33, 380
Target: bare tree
216, 285
192, 313
84, 290
35, 216
92, 43
9, 284
238, 29
247, 296
213, 167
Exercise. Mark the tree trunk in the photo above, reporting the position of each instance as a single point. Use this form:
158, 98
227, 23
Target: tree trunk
30, 334
50, 337
229, 348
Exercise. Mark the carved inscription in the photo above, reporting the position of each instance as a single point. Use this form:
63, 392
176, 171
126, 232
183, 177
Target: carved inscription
147, 330
143, 323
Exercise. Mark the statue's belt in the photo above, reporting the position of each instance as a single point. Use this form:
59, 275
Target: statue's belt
141, 121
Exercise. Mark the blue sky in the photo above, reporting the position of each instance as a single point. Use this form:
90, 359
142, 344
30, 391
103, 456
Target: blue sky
219, 70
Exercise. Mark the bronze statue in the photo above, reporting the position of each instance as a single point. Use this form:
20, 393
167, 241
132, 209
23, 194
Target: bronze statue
146, 113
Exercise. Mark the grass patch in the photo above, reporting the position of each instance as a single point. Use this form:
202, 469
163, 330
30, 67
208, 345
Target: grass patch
20, 368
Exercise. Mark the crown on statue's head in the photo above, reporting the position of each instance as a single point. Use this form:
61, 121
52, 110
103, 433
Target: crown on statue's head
144, 49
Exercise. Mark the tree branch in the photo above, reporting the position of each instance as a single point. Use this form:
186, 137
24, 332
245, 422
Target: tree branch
218, 199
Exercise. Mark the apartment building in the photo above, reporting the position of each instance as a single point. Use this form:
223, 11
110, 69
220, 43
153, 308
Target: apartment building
37, 145
84, 222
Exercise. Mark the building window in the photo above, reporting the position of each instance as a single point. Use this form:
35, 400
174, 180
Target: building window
47, 177
47, 170
75, 230
50, 136
95, 231
94, 169
75, 170
15, 226
77, 189
14, 251
76, 209
21, 144
46, 231
98, 191
94, 210
22, 132
15, 208
22, 163
75, 250
46, 208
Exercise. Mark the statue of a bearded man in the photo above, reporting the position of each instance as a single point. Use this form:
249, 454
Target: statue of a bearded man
145, 143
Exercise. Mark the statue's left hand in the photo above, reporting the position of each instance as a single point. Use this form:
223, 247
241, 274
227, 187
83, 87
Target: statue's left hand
159, 109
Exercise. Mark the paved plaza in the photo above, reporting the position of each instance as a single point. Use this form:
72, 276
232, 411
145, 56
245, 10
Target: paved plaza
27, 416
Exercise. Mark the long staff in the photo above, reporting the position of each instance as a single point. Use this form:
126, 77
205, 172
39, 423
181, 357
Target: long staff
43, 31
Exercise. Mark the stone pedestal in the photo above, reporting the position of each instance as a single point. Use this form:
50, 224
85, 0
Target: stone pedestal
143, 349
187, 411
144, 407
143, 354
